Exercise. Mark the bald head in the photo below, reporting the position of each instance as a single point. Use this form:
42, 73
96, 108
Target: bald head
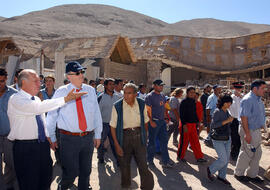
28, 80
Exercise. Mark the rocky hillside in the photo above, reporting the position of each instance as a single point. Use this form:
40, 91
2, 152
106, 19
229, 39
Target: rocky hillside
71, 21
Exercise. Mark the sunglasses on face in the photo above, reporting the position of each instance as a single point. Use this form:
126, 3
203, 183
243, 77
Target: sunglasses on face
77, 73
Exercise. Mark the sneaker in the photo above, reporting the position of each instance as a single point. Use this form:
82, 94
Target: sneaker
182, 160
225, 181
202, 160
168, 165
208, 143
257, 179
209, 175
241, 178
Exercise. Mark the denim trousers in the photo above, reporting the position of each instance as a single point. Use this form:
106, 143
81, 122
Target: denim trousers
76, 160
173, 129
159, 132
106, 132
133, 147
223, 149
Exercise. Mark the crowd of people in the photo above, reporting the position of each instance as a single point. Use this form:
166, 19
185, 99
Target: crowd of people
80, 116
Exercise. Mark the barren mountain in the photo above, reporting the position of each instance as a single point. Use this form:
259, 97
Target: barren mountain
71, 21
218, 28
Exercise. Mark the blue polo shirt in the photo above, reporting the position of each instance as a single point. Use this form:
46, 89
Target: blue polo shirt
156, 102
4, 121
212, 103
252, 107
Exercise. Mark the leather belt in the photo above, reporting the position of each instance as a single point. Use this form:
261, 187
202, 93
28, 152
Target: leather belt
74, 134
27, 141
132, 129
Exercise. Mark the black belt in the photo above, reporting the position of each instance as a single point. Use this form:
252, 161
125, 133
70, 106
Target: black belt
27, 141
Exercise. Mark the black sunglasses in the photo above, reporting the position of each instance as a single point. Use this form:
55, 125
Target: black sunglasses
77, 73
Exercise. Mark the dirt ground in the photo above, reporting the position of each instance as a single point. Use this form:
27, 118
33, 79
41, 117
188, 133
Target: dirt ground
190, 175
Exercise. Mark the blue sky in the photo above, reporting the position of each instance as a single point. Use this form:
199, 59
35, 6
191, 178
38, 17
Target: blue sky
167, 10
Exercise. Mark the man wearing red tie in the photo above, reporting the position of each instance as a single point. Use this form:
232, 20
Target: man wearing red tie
80, 127
31, 148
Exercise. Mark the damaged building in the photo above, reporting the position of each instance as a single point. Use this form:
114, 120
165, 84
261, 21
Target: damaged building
178, 60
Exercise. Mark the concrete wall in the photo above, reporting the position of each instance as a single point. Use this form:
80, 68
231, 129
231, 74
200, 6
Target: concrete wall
166, 78
153, 71
135, 71
10, 68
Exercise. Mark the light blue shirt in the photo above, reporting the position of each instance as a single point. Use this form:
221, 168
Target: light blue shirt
252, 107
4, 121
212, 103
66, 117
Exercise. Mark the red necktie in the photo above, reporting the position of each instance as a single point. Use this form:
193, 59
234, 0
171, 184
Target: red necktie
80, 112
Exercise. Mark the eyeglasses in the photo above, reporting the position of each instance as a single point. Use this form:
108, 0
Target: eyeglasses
77, 73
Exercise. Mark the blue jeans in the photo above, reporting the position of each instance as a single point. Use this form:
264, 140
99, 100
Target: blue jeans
223, 149
159, 132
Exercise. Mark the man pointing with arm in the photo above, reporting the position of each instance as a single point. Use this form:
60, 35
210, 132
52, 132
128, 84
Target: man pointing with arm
31, 150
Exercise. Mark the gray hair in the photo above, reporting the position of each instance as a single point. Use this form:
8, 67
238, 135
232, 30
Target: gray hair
131, 85
24, 75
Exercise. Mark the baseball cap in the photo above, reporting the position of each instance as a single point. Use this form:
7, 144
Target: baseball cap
216, 86
74, 66
158, 82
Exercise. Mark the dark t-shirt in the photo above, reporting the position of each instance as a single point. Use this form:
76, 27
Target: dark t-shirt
188, 111
157, 102
204, 100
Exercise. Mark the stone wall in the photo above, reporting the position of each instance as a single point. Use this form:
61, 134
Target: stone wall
134, 71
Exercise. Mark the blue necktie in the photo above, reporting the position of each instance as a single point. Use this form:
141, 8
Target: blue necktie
41, 132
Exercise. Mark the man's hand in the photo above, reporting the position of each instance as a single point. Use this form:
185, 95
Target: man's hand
53, 145
73, 96
185, 128
153, 124
248, 138
119, 150
230, 119
96, 143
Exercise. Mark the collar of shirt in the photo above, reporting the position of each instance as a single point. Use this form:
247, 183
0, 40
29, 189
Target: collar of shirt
113, 93
125, 104
255, 96
7, 89
71, 86
25, 94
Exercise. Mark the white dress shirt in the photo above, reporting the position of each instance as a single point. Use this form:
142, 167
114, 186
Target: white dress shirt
66, 117
235, 107
22, 113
